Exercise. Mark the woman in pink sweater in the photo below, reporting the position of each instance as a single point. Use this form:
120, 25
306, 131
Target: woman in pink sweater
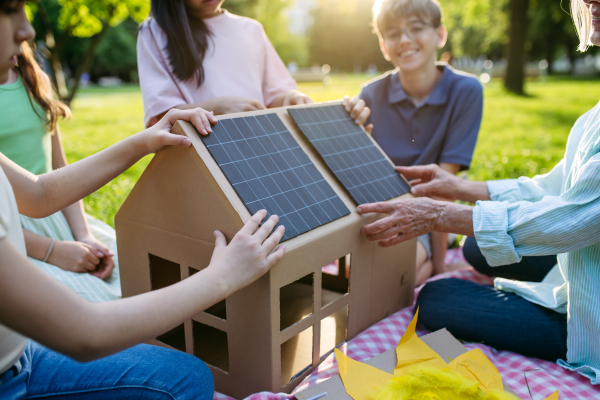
192, 53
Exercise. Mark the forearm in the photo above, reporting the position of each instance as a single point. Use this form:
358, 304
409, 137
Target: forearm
40, 196
213, 105
75, 216
454, 218
38, 306
471, 192
37, 245
439, 246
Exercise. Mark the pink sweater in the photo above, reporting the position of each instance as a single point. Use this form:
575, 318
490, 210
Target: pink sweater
240, 61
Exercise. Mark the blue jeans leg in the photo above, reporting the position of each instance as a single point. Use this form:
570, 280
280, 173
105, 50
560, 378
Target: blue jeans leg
530, 268
141, 372
484, 314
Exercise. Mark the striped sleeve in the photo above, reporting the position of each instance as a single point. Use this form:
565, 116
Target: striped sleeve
552, 225
528, 189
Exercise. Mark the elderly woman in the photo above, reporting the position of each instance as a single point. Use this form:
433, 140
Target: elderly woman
557, 213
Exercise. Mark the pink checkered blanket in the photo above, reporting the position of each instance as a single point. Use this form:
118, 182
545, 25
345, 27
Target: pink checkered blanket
530, 378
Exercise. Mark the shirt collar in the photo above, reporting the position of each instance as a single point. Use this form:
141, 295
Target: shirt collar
439, 94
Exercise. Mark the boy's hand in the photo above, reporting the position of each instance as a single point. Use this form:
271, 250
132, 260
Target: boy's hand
358, 110
249, 255
159, 135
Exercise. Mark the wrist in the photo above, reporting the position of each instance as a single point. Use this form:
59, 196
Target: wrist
454, 218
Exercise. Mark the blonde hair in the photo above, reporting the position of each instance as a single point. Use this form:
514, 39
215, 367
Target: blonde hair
583, 23
387, 12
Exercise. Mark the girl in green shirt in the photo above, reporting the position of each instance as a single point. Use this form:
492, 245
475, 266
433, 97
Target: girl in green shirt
70, 245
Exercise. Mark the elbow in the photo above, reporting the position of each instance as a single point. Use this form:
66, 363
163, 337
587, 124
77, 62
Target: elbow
88, 349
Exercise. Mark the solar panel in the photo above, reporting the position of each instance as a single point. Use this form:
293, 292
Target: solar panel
269, 170
351, 155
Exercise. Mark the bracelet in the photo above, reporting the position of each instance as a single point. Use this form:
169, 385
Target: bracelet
49, 250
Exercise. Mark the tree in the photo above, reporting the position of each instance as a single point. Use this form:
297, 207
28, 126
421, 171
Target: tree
515, 69
84, 19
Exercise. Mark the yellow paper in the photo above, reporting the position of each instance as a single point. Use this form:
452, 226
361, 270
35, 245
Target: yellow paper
359, 379
413, 351
477, 367
553, 396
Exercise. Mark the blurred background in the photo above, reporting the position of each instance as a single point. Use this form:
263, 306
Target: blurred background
523, 51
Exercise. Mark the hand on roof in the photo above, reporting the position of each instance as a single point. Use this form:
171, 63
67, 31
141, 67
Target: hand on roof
358, 110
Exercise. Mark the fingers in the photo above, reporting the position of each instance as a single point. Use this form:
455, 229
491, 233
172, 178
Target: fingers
252, 225
258, 105
263, 232
275, 256
220, 240
382, 208
357, 109
91, 257
423, 172
369, 129
274, 239
200, 120
386, 234
393, 241
351, 103
346, 101
362, 118
379, 226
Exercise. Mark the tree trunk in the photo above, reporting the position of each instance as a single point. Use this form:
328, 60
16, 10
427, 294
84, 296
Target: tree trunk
85, 62
53, 55
515, 70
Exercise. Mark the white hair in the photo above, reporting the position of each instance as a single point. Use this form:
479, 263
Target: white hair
582, 18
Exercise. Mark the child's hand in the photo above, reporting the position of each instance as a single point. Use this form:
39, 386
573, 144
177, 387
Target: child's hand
250, 253
357, 109
75, 256
107, 262
295, 97
159, 135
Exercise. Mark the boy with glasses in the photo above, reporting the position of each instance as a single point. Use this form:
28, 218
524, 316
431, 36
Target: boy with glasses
422, 112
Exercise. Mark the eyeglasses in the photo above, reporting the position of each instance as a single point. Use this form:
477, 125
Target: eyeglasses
413, 31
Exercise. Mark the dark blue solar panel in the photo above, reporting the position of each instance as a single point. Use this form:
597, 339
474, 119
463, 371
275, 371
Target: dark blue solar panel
269, 170
351, 155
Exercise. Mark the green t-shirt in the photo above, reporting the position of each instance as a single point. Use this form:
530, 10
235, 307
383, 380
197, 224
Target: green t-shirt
24, 136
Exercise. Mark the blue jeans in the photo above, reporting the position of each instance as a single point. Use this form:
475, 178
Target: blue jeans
484, 314
141, 372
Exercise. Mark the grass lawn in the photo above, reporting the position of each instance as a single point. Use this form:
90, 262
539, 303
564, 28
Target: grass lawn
519, 135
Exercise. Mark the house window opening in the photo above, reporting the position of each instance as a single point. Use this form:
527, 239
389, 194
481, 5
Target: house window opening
296, 301
334, 330
174, 338
211, 346
296, 355
163, 272
335, 280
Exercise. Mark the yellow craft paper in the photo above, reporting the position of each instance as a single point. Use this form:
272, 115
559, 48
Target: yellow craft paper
411, 350
359, 379
477, 367
553, 396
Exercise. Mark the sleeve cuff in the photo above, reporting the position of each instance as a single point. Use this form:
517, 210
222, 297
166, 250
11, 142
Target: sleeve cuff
490, 224
504, 190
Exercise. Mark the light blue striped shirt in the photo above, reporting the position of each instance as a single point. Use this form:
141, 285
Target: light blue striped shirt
556, 213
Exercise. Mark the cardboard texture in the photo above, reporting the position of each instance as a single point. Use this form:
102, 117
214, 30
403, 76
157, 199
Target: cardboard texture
270, 335
442, 342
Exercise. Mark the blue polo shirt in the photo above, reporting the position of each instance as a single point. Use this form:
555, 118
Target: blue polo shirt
443, 128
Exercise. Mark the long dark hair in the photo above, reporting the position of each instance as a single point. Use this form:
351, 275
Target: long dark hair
187, 38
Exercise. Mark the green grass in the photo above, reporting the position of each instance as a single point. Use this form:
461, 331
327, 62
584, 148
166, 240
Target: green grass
519, 135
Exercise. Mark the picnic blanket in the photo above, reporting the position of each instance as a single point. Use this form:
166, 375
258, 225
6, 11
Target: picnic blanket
524, 375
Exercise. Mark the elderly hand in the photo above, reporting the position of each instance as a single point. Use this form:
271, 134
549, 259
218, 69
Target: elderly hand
407, 219
433, 181
358, 111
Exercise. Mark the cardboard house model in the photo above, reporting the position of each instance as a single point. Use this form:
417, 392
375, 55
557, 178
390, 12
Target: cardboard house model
331, 284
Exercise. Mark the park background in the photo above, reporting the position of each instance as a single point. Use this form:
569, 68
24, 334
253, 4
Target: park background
89, 51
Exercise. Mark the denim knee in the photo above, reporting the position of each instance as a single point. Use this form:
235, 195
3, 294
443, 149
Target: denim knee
198, 378
432, 299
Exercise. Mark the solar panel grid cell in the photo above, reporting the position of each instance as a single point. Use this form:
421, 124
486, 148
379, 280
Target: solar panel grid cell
269, 170
350, 154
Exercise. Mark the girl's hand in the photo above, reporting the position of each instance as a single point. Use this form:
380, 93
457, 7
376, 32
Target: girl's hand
159, 135
233, 104
295, 97
107, 263
75, 256
249, 255
358, 110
